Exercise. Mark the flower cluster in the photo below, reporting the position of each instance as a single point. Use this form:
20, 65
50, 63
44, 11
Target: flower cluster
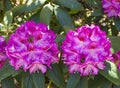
116, 59
2, 51
86, 49
111, 7
32, 47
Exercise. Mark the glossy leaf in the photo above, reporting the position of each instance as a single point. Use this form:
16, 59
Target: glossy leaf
56, 75
8, 83
1, 5
30, 6
72, 4
99, 82
116, 86
8, 5
111, 73
6, 71
73, 80
63, 17
93, 3
60, 38
35, 80
46, 14
36, 17
97, 12
38, 80
83, 83
8, 17
117, 23
27, 81
115, 41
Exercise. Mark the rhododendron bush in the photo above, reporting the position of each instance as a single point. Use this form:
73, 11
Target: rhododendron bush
60, 44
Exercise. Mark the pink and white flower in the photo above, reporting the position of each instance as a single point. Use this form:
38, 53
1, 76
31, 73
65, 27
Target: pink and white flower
3, 56
86, 49
32, 47
111, 7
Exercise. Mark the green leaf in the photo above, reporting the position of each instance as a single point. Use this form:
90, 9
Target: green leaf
8, 83
116, 86
98, 12
117, 23
17, 72
72, 4
36, 17
56, 75
111, 73
27, 81
30, 6
73, 80
99, 82
38, 79
96, 4
106, 84
6, 71
8, 17
1, 5
35, 80
115, 41
66, 29
46, 14
63, 17
93, 3
8, 5
60, 38
83, 83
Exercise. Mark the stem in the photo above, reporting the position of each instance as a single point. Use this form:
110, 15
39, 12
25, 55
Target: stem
49, 85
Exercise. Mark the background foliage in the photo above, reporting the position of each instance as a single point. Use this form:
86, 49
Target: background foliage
60, 16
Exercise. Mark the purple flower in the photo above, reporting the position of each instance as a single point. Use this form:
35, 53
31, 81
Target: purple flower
111, 7
116, 59
2, 51
32, 47
86, 49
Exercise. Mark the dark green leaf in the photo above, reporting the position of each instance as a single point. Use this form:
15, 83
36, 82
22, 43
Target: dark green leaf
73, 80
115, 41
8, 83
6, 71
63, 17
19, 79
30, 6
98, 12
93, 3
111, 73
66, 28
72, 4
46, 14
60, 38
35, 80
38, 80
8, 5
117, 23
116, 86
17, 72
27, 81
1, 5
96, 6
83, 83
106, 84
56, 75
8, 17
36, 17
99, 82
